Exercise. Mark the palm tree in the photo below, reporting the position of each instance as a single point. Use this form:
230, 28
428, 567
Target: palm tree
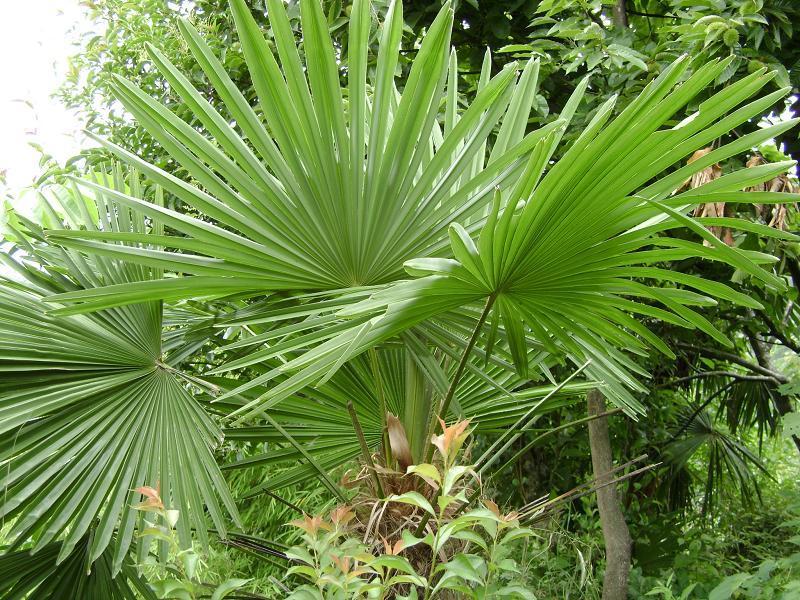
559, 259
371, 250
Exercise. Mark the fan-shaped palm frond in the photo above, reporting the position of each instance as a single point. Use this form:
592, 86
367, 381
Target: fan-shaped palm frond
338, 186
728, 457
744, 404
45, 575
88, 409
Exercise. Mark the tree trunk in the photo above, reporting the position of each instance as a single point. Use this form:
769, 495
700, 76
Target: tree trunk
783, 404
620, 16
615, 530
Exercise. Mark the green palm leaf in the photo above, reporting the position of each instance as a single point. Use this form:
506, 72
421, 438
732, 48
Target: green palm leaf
320, 191
44, 575
328, 192
728, 457
88, 409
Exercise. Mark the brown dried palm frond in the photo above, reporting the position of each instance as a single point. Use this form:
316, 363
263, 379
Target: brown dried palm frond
773, 215
711, 209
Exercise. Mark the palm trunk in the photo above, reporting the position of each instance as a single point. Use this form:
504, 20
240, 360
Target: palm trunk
615, 530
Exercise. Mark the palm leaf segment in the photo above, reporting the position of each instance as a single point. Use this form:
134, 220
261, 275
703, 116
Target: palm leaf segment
563, 256
45, 575
407, 381
88, 412
330, 190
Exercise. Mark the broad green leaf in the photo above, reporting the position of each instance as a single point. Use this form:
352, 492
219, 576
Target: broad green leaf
414, 499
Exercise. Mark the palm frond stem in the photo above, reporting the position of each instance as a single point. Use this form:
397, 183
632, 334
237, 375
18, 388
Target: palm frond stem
462, 364
365, 449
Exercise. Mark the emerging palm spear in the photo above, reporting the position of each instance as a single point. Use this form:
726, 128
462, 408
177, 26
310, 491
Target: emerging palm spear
314, 202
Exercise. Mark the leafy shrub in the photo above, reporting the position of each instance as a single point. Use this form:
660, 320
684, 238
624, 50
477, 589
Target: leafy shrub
438, 549
743, 555
177, 575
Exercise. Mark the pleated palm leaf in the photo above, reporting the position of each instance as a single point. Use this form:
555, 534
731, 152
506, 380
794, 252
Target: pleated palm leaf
728, 459
321, 187
46, 575
320, 193
323, 194
572, 251
88, 409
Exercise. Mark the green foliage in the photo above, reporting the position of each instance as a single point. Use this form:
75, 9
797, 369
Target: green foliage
93, 409
570, 37
249, 260
508, 268
46, 574
773, 579
177, 574
664, 590
478, 544
579, 35
117, 46
351, 222
737, 540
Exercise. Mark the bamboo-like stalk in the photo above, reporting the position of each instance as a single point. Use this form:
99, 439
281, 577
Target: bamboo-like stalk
326, 480
522, 424
539, 438
376, 375
538, 508
451, 390
474, 495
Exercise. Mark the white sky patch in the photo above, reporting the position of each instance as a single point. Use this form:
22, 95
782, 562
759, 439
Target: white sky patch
35, 42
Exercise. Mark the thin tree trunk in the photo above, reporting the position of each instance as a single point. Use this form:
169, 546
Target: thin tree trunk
783, 404
615, 529
620, 15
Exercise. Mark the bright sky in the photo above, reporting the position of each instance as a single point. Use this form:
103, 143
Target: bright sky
34, 45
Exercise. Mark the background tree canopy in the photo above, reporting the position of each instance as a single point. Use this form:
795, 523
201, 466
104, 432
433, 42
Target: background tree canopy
570, 37
309, 229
